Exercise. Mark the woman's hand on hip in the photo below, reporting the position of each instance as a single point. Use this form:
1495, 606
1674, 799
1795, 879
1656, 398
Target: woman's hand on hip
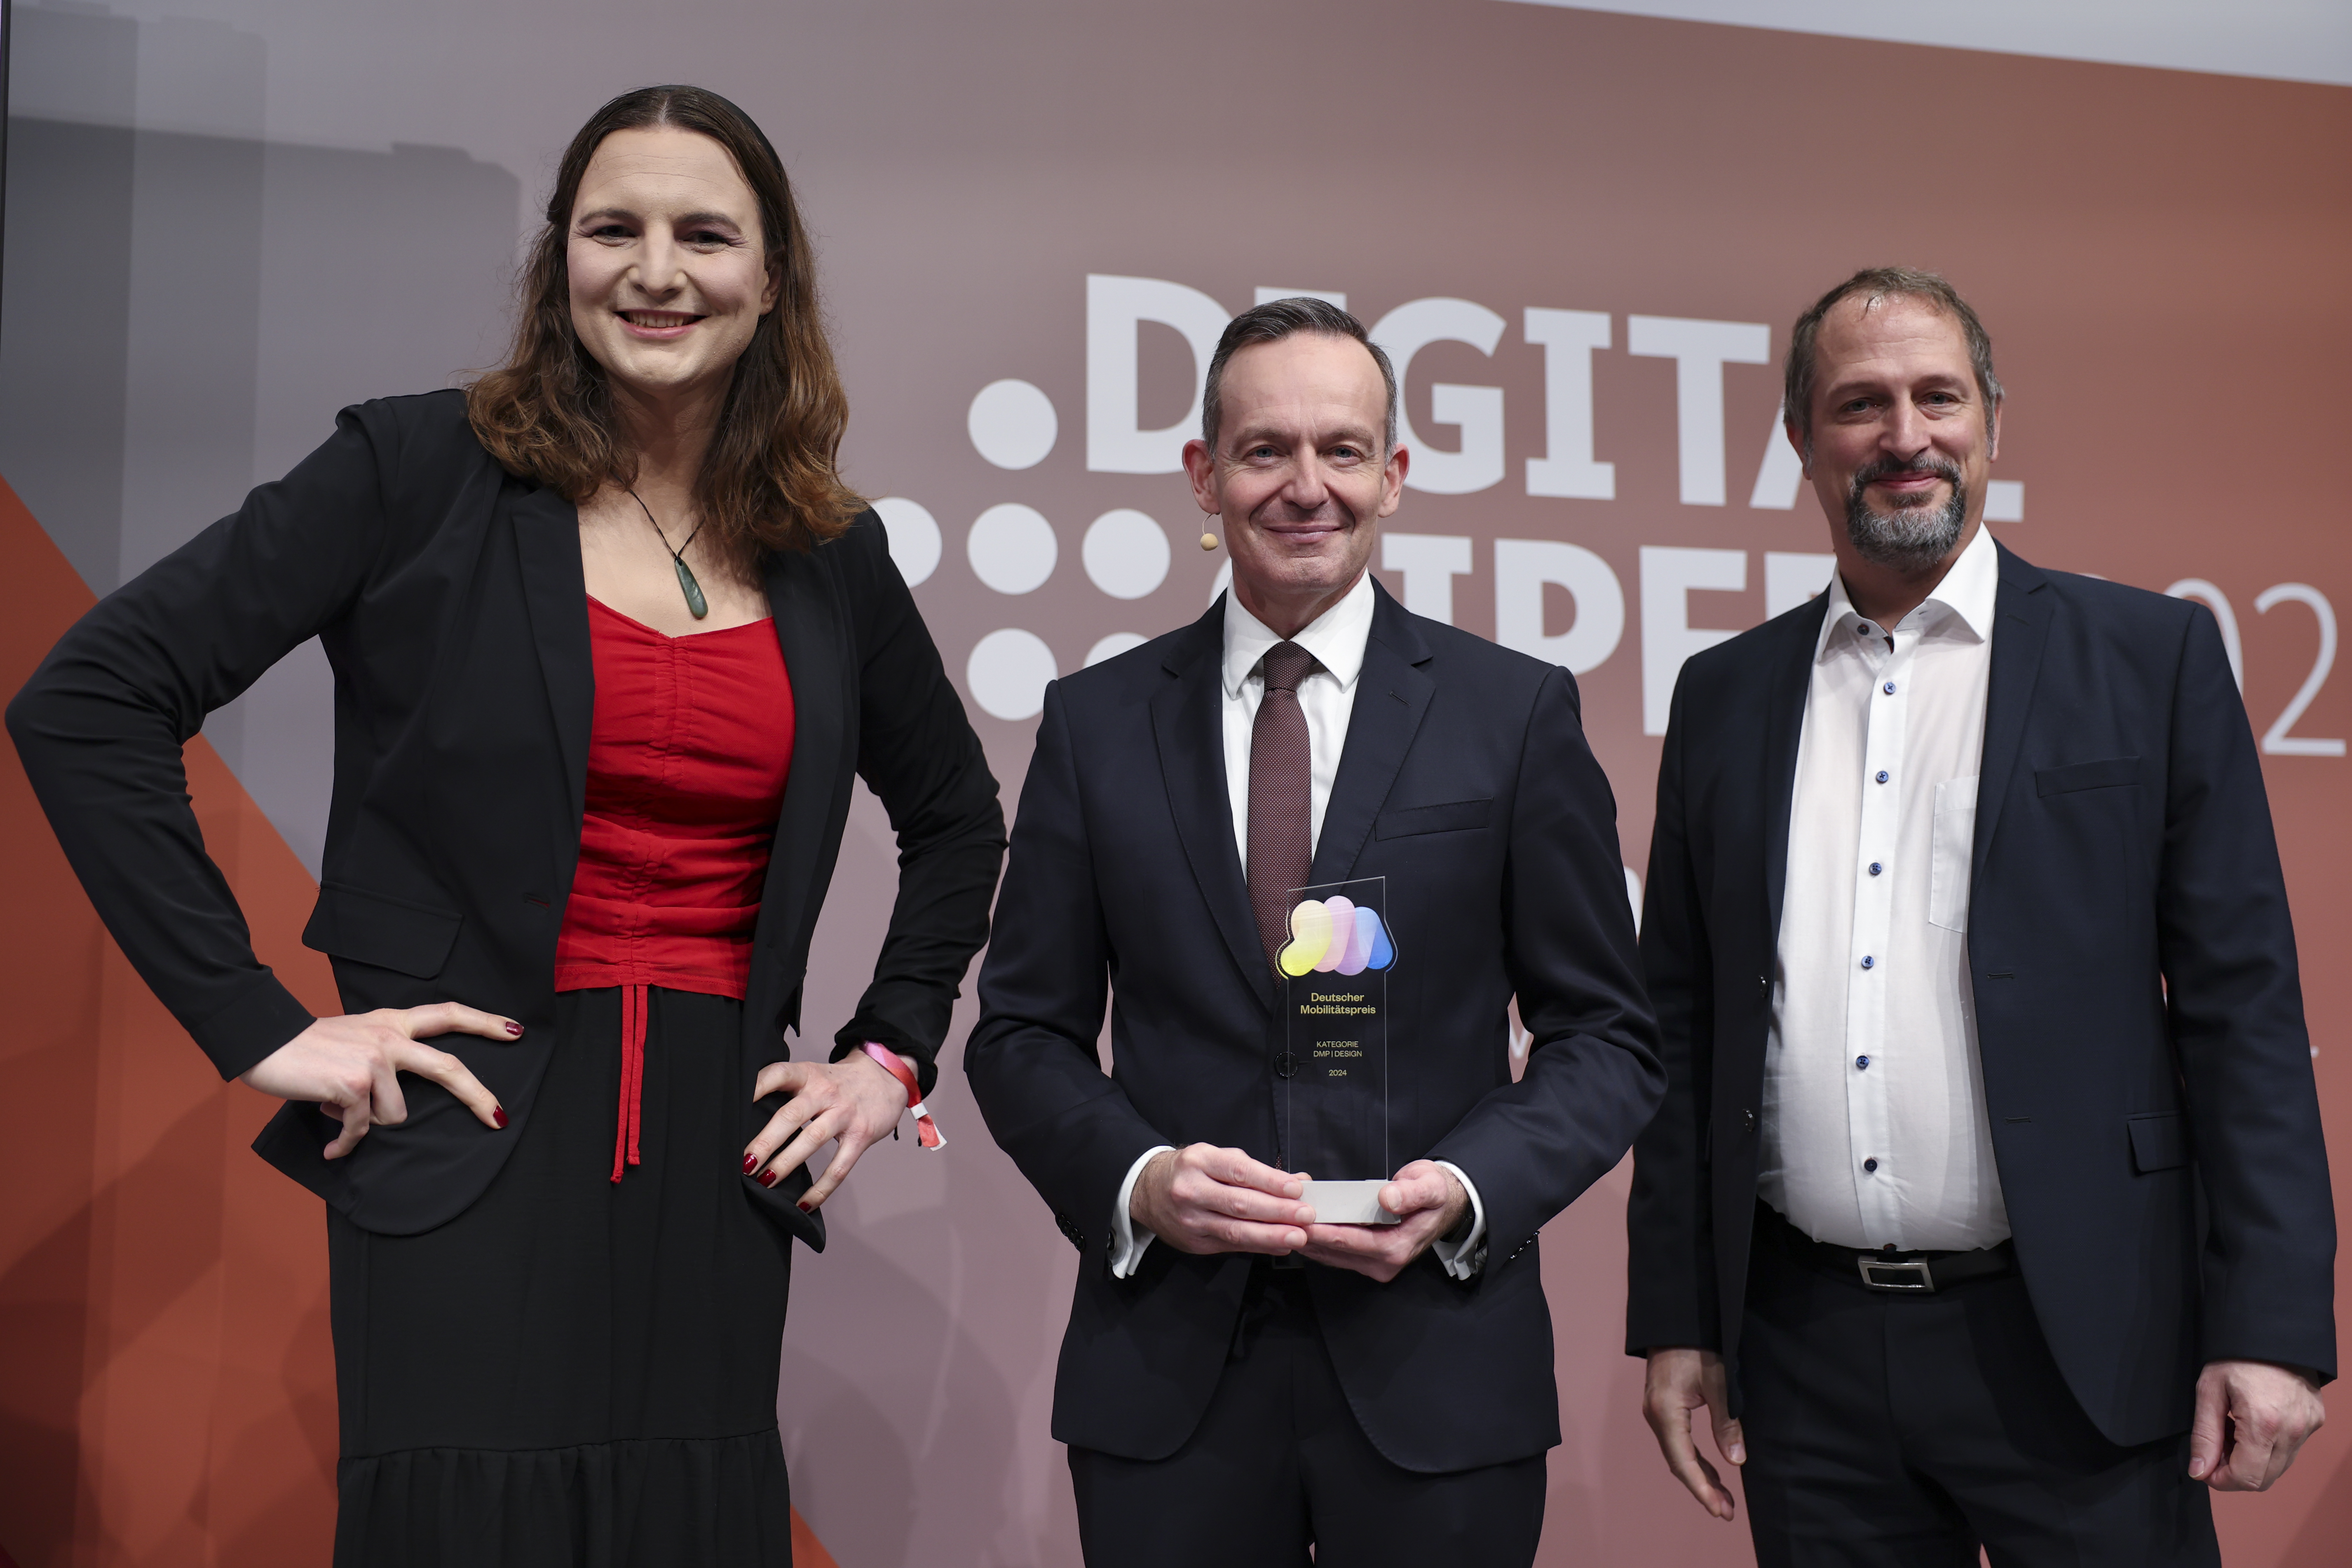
855, 1099
350, 1066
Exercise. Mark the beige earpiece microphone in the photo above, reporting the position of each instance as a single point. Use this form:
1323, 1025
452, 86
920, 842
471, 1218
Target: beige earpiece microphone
1207, 541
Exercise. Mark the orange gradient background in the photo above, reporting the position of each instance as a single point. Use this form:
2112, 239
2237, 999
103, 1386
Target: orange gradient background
2161, 258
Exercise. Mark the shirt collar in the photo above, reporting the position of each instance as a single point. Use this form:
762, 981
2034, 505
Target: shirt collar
1336, 638
1967, 595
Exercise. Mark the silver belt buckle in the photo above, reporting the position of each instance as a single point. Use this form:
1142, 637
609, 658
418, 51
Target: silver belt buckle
1912, 1275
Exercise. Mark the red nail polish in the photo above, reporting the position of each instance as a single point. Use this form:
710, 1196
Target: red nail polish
751, 1163
804, 1208
513, 1029
499, 1113
769, 1178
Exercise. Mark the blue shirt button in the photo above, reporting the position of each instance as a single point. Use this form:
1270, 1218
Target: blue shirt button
1882, 775
1890, 688
1862, 1062
1875, 867
1870, 1164
1868, 961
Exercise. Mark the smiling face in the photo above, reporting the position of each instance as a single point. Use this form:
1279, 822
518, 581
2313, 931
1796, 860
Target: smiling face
669, 276
1297, 474
1902, 441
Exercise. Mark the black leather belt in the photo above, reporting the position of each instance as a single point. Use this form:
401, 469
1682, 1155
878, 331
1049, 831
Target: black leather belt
1886, 1270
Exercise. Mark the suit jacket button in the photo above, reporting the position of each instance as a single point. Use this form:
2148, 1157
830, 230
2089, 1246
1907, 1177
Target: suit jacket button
1748, 1120
1286, 1066
1764, 984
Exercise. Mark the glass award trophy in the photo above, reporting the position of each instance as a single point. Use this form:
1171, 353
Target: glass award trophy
1334, 1066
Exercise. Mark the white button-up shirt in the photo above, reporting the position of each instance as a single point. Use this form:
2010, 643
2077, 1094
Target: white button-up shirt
1874, 1130
1328, 697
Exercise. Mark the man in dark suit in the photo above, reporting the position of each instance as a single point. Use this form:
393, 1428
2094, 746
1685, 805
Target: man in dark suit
1240, 1382
1988, 1197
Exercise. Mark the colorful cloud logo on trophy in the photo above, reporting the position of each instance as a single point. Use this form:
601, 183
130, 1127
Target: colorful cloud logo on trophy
1335, 936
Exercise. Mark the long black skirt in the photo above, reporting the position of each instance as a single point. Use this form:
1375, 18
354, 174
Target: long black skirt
576, 1372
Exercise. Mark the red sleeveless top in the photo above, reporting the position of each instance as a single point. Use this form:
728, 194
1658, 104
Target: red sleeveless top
688, 759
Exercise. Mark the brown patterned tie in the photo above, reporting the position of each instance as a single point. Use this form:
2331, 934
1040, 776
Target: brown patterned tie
1281, 846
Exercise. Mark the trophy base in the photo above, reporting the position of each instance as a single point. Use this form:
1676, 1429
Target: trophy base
1348, 1203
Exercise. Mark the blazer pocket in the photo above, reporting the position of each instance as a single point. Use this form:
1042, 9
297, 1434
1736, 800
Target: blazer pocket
1451, 817
2159, 1141
1950, 851
2108, 773
377, 929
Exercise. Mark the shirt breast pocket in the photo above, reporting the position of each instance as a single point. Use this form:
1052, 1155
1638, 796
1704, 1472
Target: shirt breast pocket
1949, 851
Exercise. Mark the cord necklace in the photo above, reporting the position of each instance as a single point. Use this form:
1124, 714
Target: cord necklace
695, 602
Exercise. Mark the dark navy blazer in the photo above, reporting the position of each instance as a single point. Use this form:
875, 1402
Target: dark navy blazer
2133, 968
1466, 783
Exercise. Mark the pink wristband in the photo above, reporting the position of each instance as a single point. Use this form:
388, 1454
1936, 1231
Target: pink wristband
927, 1131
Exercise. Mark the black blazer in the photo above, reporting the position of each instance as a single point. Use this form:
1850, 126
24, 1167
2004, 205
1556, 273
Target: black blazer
2138, 1015
450, 600
1467, 783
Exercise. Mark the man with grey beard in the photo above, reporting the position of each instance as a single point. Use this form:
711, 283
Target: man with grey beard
1988, 1197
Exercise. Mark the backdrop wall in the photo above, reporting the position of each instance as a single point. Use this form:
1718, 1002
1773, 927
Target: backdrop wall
1582, 234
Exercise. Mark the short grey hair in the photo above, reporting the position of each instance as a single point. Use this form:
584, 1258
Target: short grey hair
1802, 376
1270, 323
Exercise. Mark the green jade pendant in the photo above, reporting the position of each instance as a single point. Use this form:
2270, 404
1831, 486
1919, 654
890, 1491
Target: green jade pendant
695, 602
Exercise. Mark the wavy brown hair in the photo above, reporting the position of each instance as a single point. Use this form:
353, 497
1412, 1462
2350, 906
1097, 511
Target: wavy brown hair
770, 480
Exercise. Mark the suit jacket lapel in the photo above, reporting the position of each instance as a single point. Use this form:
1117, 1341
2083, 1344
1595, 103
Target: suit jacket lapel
1392, 693
555, 595
1784, 725
809, 630
2021, 614
1188, 728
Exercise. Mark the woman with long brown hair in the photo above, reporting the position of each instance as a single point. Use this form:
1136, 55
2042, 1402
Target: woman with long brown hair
610, 641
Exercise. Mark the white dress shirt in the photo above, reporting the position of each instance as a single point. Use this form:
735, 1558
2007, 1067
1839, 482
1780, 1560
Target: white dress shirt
1874, 1130
1328, 697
